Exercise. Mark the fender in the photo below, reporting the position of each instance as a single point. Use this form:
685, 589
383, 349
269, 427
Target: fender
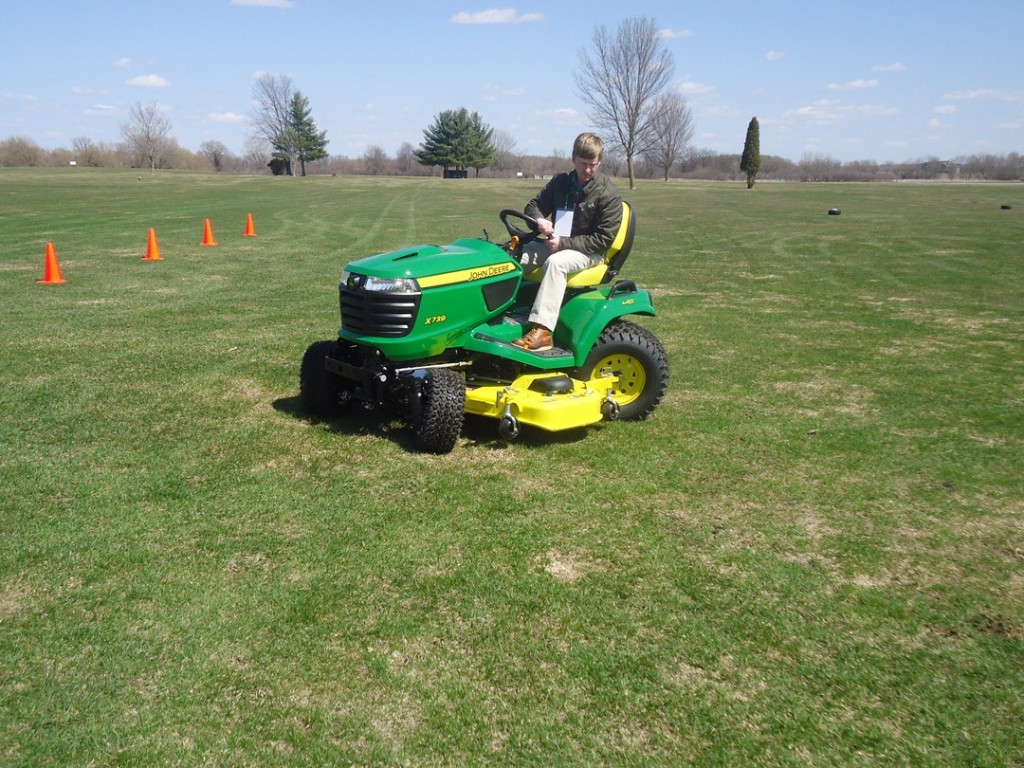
587, 314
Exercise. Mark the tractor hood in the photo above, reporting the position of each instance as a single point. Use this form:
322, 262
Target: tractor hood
417, 302
464, 260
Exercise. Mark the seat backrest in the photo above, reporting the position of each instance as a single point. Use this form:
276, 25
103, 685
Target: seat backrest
623, 242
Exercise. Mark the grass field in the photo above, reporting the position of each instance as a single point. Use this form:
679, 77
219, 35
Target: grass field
810, 555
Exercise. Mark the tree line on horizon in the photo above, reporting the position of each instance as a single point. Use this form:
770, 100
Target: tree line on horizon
624, 79
698, 163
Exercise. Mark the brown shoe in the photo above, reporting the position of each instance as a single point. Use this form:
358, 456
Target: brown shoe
537, 340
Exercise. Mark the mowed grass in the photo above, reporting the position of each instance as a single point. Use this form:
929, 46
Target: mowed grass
811, 554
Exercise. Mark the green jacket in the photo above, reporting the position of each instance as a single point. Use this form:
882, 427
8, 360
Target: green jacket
597, 214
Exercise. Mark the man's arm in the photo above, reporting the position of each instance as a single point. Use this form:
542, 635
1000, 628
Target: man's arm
544, 205
603, 229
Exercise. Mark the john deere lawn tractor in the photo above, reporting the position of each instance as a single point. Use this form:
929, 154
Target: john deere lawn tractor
427, 331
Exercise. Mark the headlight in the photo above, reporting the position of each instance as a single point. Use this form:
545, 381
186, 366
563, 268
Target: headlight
391, 285
397, 285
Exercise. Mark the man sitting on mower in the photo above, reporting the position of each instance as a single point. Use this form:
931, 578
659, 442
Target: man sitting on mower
579, 214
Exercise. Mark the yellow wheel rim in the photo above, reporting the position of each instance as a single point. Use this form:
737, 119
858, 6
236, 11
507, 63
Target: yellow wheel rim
623, 373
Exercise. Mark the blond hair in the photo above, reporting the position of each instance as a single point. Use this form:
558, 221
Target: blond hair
588, 146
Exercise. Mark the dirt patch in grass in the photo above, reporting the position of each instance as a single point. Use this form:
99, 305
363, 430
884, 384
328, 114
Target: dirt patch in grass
661, 290
243, 563
13, 599
820, 395
568, 567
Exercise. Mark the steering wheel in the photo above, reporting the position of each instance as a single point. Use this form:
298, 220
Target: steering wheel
525, 236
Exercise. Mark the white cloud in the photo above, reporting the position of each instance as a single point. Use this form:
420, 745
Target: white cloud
495, 16
227, 117
897, 67
494, 91
18, 96
985, 93
947, 109
775, 55
675, 34
148, 81
560, 115
874, 110
853, 85
822, 111
827, 111
123, 63
722, 111
934, 123
694, 89
266, 3
980, 93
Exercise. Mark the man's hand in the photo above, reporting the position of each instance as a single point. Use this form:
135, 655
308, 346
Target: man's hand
547, 229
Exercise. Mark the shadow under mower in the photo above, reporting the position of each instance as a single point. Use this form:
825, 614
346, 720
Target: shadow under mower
427, 331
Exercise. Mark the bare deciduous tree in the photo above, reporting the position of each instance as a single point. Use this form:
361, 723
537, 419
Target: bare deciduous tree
375, 160
85, 152
673, 129
405, 160
271, 119
20, 151
504, 150
256, 154
216, 152
621, 82
146, 134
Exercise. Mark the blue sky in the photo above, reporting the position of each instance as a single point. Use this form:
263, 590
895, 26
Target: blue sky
889, 80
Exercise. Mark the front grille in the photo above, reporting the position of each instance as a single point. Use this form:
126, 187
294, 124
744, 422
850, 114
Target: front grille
378, 314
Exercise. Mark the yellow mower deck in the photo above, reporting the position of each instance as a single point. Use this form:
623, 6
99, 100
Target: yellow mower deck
529, 400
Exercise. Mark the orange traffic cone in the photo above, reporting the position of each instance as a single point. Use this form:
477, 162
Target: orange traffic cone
152, 249
51, 272
208, 234
250, 230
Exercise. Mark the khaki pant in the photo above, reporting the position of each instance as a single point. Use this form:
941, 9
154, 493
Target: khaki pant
556, 269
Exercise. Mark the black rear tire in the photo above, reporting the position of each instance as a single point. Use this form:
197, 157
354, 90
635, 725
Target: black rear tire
317, 389
637, 365
442, 410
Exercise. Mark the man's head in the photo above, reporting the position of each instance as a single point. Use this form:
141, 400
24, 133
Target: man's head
587, 151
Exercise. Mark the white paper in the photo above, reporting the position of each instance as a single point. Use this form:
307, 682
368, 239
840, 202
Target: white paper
563, 222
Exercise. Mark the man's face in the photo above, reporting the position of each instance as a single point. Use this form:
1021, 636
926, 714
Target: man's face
586, 168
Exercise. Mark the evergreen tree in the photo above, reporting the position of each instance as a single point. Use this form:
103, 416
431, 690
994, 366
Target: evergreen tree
481, 149
308, 143
436, 148
750, 162
457, 140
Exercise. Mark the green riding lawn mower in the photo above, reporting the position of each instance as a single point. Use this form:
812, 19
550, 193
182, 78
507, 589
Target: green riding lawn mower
427, 331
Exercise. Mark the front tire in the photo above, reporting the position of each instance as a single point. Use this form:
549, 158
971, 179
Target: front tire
317, 389
442, 409
629, 360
